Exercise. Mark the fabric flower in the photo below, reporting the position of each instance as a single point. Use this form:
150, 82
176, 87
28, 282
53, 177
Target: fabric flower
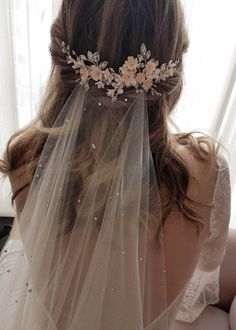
131, 64
84, 74
118, 79
156, 75
96, 73
147, 84
108, 76
128, 78
150, 68
140, 78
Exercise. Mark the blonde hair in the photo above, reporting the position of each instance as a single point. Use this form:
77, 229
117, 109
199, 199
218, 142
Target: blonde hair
116, 29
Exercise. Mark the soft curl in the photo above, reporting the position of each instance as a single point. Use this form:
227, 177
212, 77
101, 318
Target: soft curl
116, 29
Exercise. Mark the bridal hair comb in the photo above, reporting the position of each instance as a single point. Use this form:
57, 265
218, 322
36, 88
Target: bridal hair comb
143, 72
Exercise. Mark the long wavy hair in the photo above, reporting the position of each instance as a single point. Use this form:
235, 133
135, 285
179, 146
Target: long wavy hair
116, 29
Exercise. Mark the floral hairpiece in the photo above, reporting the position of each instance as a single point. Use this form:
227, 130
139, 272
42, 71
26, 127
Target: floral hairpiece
142, 72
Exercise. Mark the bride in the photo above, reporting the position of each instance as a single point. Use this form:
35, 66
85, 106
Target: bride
120, 223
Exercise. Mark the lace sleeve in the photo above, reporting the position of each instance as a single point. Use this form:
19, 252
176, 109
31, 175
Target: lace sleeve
204, 285
213, 250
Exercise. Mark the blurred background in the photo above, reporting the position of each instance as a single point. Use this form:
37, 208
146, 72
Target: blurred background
207, 104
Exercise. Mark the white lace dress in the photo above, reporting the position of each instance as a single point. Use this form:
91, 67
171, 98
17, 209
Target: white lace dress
201, 290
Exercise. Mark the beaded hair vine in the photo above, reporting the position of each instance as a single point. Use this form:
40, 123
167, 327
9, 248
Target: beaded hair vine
141, 72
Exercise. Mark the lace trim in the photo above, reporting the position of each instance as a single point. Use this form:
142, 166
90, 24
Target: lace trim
204, 286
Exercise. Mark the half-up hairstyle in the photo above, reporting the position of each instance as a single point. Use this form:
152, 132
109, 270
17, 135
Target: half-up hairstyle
116, 29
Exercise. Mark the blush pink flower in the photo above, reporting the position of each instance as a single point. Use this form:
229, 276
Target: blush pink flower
128, 78
140, 78
96, 73
150, 68
84, 74
131, 64
147, 84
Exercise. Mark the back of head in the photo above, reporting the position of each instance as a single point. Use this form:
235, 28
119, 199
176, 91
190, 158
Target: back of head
115, 29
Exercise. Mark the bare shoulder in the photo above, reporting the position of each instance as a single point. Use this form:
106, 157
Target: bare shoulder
179, 234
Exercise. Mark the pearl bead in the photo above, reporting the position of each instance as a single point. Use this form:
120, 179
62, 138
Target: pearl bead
140, 259
93, 146
79, 201
126, 100
95, 218
100, 104
112, 289
123, 252
85, 109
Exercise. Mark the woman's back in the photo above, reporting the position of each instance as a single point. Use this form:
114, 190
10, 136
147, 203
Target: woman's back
183, 249
109, 236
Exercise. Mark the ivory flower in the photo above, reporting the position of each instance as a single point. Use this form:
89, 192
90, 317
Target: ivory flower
108, 76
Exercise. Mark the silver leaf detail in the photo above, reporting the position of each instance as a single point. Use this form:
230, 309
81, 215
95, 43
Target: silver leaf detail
86, 87
140, 58
96, 57
148, 55
90, 56
83, 57
143, 49
103, 65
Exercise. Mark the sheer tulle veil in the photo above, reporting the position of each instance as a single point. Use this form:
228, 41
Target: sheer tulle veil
92, 258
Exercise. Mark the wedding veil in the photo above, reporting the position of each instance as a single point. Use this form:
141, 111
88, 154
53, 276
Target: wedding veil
93, 252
